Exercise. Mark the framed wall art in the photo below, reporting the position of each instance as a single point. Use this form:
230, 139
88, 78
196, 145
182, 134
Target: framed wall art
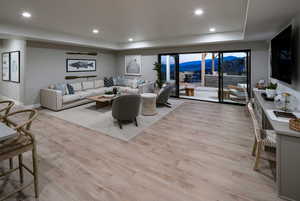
14, 60
80, 65
5, 66
133, 64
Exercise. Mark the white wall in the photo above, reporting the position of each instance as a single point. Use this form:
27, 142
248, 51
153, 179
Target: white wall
8, 89
259, 66
259, 57
147, 65
47, 65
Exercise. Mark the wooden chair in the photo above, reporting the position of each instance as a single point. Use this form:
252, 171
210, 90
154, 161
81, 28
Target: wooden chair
19, 145
6, 109
262, 138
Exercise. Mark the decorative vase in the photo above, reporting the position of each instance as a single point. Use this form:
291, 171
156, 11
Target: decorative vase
285, 102
115, 90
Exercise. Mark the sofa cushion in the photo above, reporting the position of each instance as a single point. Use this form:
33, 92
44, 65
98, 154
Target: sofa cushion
132, 83
126, 82
128, 90
70, 98
77, 86
84, 94
98, 91
119, 81
99, 83
88, 85
90, 92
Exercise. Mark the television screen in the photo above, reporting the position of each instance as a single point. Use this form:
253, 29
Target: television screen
282, 56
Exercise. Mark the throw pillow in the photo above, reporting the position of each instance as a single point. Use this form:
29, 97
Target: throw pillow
108, 82
111, 81
77, 86
122, 81
132, 83
70, 89
116, 81
61, 87
126, 82
140, 82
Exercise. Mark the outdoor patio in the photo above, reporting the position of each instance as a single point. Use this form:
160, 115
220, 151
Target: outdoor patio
202, 93
211, 93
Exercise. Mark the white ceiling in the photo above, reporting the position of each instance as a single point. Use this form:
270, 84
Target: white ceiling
151, 23
267, 17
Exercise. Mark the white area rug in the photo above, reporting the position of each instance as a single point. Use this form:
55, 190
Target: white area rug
101, 119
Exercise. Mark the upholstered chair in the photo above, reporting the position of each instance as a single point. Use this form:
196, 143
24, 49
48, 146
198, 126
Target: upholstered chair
126, 108
164, 95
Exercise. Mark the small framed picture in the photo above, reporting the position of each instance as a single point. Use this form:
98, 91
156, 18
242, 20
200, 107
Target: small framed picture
133, 64
14, 66
80, 65
5, 67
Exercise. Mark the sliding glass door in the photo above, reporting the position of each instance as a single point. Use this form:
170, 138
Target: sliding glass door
209, 76
198, 76
234, 76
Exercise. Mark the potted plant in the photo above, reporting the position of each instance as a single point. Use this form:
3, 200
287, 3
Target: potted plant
271, 90
159, 82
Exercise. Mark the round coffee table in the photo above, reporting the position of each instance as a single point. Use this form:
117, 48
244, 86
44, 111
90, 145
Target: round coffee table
148, 104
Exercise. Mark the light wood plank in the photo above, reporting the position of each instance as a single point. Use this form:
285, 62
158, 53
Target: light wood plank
199, 152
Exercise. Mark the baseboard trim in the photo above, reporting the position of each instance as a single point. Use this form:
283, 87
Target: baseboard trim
7, 98
34, 106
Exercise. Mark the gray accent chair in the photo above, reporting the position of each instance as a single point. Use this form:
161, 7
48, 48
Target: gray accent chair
126, 108
164, 95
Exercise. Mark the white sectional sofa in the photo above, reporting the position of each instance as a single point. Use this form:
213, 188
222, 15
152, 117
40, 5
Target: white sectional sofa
55, 100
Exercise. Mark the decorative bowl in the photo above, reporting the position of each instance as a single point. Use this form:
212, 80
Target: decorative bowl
294, 124
108, 95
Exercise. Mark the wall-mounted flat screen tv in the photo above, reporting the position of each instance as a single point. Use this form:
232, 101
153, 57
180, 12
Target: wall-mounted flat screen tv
282, 55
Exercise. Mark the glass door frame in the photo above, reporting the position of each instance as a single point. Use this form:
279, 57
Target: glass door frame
221, 76
220, 72
176, 56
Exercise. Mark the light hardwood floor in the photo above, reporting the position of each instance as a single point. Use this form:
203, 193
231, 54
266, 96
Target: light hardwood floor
199, 152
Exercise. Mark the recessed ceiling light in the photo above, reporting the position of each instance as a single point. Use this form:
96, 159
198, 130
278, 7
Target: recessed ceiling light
198, 12
212, 29
95, 31
26, 14
130, 39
